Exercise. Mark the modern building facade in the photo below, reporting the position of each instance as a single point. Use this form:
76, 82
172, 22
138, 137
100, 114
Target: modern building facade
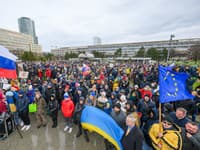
130, 49
27, 26
18, 43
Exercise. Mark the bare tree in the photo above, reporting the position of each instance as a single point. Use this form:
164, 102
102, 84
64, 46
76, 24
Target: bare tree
195, 52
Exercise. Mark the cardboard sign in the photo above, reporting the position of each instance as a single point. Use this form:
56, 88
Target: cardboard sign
6, 86
23, 74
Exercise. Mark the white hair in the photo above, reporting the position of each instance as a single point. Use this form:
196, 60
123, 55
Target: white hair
131, 118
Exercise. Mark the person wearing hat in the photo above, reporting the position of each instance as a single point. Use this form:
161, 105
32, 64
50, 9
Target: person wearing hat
122, 100
22, 107
30, 94
50, 90
118, 115
77, 95
134, 94
124, 84
144, 106
91, 100
113, 98
166, 136
53, 110
102, 101
40, 114
77, 118
67, 108
11, 101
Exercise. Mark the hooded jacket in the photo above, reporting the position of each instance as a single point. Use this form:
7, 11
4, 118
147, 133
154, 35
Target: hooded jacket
22, 103
67, 107
171, 139
2, 103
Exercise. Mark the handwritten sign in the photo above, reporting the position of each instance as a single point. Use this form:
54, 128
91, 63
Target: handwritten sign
23, 74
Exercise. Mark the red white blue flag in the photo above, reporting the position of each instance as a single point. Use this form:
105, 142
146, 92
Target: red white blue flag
7, 64
85, 70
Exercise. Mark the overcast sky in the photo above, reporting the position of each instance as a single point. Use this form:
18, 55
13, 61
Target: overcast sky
75, 22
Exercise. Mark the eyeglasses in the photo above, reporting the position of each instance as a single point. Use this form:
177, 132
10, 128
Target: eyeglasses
167, 123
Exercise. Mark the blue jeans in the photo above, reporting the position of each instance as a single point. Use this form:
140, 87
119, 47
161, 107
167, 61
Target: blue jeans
17, 120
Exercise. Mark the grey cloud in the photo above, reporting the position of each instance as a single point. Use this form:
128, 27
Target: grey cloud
73, 23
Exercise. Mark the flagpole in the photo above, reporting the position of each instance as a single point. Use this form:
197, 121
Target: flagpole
160, 123
159, 107
160, 115
160, 112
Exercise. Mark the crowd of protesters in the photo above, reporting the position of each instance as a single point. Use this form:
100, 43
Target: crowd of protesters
129, 92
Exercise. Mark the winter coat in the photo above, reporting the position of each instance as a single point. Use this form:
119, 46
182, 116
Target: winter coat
53, 106
48, 73
2, 106
67, 108
22, 104
119, 118
48, 93
145, 92
101, 102
144, 108
195, 139
134, 140
41, 104
171, 138
77, 112
150, 121
179, 122
31, 95
187, 143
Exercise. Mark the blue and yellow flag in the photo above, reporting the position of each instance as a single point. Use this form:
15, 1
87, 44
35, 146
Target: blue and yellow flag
98, 121
172, 85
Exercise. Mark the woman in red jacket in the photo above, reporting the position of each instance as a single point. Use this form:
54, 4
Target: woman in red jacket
67, 109
2, 103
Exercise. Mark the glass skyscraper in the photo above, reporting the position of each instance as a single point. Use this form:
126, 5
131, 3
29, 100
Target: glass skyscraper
27, 26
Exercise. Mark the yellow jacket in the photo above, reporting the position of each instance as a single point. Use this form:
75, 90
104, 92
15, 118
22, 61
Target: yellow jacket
171, 139
115, 85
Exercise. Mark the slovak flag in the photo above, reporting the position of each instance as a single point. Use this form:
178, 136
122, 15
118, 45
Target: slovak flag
7, 64
85, 70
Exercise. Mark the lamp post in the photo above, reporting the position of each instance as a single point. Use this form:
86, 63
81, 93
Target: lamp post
171, 37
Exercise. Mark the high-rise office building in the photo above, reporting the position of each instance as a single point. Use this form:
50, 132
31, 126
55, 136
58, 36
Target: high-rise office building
18, 43
27, 26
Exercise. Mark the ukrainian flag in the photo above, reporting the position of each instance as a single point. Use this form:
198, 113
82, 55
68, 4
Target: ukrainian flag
98, 121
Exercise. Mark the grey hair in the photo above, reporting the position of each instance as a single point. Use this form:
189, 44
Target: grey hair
132, 118
182, 109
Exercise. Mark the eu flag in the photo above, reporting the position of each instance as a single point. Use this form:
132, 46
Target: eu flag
172, 85
98, 121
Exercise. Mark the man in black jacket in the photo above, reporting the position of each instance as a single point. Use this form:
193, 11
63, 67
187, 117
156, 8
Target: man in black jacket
53, 110
77, 118
193, 135
133, 137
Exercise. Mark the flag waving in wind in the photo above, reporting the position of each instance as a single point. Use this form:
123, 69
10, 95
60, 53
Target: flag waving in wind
85, 70
98, 121
172, 85
7, 64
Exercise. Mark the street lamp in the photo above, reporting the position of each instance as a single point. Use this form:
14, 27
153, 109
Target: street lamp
171, 37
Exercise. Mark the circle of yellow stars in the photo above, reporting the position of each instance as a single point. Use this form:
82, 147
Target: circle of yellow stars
175, 83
